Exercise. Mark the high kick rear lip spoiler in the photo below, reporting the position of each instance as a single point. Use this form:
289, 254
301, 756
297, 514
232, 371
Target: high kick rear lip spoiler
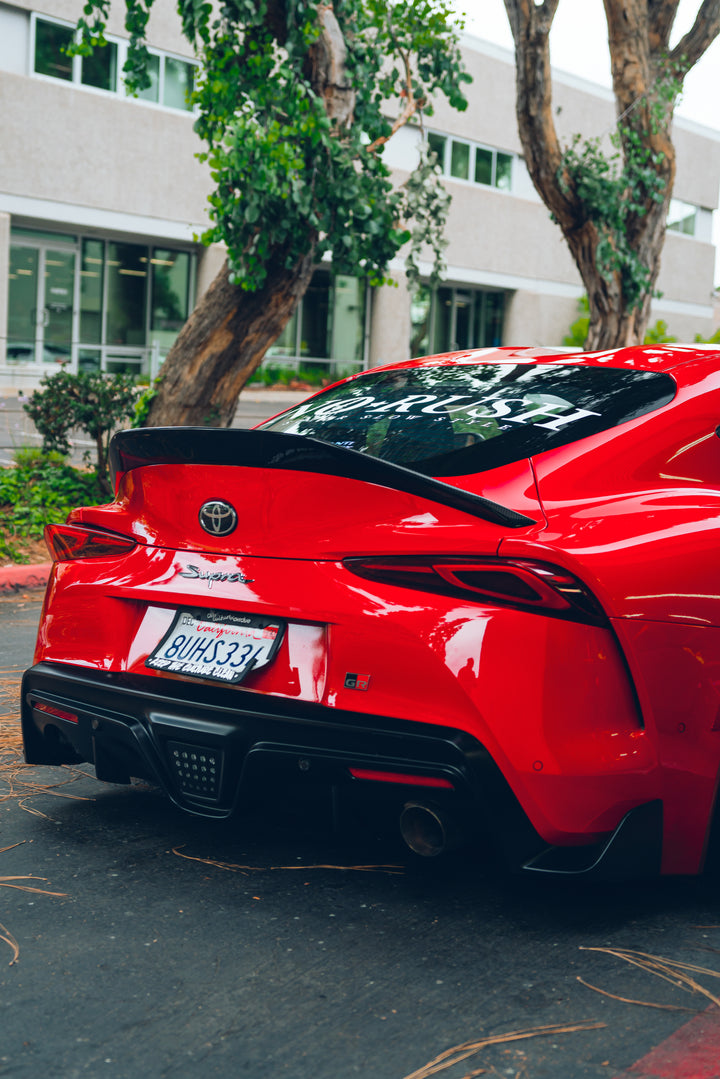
294, 453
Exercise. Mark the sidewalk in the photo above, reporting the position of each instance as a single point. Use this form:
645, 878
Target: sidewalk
15, 578
17, 429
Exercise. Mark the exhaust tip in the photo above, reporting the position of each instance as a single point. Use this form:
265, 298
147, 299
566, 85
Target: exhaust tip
426, 831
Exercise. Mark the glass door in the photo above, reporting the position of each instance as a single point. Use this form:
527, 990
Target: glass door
463, 328
57, 306
40, 304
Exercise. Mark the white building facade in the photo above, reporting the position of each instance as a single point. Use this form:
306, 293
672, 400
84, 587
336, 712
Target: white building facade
102, 201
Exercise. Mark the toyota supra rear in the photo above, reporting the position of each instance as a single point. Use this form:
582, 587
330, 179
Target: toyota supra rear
479, 590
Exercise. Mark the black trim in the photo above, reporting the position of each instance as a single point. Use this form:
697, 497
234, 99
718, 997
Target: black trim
130, 725
126, 723
634, 850
295, 453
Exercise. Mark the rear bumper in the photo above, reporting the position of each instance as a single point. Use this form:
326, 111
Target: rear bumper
212, 747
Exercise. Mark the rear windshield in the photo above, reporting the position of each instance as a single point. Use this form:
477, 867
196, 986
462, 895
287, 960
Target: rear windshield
449, 421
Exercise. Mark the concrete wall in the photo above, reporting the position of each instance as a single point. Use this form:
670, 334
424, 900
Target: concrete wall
390, 326
99, 150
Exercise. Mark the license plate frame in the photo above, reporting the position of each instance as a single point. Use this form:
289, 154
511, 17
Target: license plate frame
193, 645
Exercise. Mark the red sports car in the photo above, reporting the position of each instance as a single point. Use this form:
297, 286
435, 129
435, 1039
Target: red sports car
481, 589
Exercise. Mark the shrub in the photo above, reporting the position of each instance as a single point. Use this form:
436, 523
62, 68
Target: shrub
41, 489
89, 401
654, 335
713, 339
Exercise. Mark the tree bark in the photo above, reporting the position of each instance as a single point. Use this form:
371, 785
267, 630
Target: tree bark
225, 339
222, 343
638, 35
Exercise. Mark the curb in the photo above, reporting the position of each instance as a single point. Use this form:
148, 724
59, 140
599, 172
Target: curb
15, 579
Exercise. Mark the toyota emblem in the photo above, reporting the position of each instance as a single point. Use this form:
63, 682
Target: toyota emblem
217, 517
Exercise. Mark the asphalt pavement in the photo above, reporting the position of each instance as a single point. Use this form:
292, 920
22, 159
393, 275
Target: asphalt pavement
271, 946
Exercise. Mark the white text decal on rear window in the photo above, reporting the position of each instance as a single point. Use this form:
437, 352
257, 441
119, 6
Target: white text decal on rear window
523, 410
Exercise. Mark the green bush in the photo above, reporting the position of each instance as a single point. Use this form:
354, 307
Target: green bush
655, 335
658, 335
41, 489
713, 339
313, 374
144, 401
89, 401
579, 329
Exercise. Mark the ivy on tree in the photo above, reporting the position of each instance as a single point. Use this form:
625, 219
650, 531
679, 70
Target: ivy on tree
295, 101
612, 208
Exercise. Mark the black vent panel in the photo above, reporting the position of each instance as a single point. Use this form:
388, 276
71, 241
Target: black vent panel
196, 769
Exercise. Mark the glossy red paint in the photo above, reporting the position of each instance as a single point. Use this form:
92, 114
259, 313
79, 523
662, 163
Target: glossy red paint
586, 720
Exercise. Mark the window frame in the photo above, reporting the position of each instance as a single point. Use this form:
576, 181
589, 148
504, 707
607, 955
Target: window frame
120, 89
445, 161
692, 215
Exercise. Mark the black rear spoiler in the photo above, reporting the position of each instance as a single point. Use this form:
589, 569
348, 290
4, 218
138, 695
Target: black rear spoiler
295, 453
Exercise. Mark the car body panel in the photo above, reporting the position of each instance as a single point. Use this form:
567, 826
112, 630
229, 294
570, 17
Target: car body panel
585, 734
304, 515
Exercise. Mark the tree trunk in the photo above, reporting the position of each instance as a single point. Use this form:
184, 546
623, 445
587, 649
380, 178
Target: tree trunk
638, 34
223, 342
226, 337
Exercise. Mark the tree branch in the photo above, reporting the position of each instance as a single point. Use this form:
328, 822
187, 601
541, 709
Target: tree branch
661, 16
411, 106
530, 24
702, 34
328, 73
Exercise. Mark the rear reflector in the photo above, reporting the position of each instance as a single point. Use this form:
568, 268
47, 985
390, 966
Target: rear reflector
69, 542
401, 777
51, 710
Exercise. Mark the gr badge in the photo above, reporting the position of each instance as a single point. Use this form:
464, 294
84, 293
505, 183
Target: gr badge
357, 681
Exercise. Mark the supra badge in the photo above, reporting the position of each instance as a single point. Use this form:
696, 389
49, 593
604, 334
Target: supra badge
194, 573
217, 517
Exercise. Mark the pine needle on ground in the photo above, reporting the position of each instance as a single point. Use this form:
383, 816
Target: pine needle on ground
13, 882
247, 869
678, 974
9, 939
16, 777
458, 1053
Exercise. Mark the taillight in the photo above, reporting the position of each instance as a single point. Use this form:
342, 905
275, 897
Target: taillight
521, 583
68, 542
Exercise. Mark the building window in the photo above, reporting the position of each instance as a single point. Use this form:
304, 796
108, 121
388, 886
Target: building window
92, 273
101, 69
459, 160
451, 319
682, 217
127, 272
178, 84
465, 161
51, 43
109, 306
170, 294
327, 328
171, 79
22, 304
171, 82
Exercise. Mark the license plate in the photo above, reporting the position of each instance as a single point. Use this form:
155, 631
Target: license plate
217, 645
